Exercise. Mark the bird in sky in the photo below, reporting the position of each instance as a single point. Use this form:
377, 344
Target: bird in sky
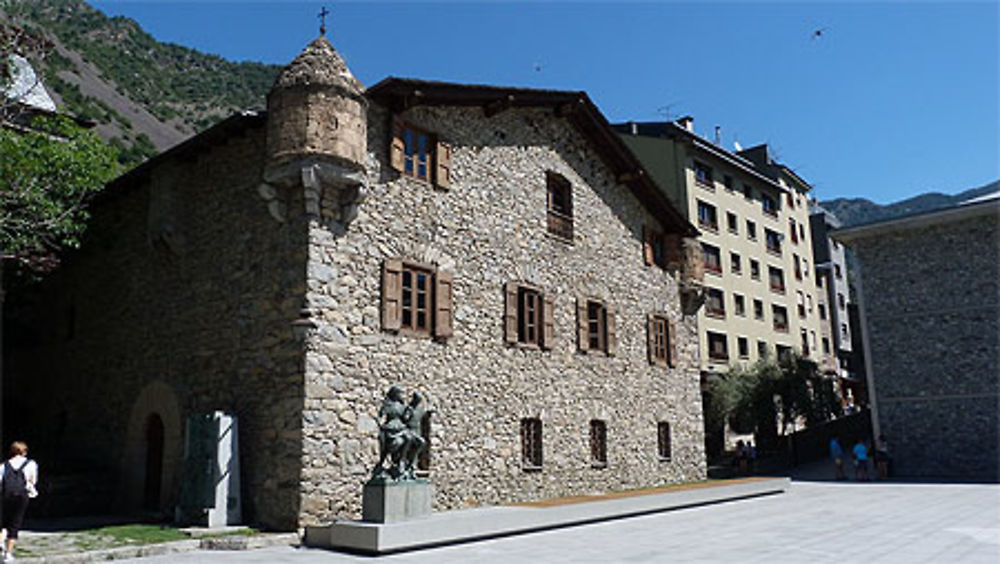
817, 33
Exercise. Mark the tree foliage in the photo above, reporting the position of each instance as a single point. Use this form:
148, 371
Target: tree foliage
48, 172
757, 398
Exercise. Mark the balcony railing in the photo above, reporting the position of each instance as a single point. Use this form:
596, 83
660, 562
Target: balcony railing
713, 267
778, 288
781, 327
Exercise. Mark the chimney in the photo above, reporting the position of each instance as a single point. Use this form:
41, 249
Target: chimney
687, 122
718, 135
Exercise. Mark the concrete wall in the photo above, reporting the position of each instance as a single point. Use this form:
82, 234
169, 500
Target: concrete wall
932, 300
488, 229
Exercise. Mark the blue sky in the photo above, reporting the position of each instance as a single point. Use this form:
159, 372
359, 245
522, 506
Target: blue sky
892, 100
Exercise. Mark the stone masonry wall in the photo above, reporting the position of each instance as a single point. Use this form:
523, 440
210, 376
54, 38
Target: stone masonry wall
932, 299
183, 280
488, 229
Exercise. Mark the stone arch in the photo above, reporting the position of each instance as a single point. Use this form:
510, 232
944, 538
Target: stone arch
156, 406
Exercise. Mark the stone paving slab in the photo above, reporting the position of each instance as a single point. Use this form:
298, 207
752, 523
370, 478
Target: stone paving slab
472, 524
62, 548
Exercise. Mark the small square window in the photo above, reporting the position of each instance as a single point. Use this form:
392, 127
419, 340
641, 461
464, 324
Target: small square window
739, 305
718, 348
754, 269
715, 303
751, 230
735, 263
758, 310
703, 174
732, 223
743, 345
780, 316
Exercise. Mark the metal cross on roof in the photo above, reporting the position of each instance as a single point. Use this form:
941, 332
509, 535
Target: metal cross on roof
322, 20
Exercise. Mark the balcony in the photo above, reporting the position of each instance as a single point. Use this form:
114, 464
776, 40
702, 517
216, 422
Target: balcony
781, 327
713, 267
778, 288
715, 311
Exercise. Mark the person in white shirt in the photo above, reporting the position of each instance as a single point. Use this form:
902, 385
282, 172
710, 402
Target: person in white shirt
18, 484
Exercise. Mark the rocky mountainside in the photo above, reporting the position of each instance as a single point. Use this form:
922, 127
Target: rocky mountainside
144, 95
855, 211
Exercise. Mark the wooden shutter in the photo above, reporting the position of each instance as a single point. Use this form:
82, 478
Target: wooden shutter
671, 345
510, 313
674, 250
647, 245
609, 329
443, 311
397, 147
583, 342
442, 169
548, 322
651, 338
392, 294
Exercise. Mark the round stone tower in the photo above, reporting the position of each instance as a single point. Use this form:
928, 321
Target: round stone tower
317, 109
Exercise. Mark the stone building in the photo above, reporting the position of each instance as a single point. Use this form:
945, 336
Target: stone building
483, 245
929, 298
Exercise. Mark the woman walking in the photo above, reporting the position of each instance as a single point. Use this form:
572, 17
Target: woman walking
18, 477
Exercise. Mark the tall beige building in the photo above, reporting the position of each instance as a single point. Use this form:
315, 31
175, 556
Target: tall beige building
753, 213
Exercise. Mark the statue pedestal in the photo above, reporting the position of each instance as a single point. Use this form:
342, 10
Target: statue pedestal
391, 502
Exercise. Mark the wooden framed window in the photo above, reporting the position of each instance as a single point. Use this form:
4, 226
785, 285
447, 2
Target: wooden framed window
703, 174
718, 347
660, 334
777, 279
707, 216
529, 316
654, 247
663, 448
769, 205
598, 443
416, 299
711, 258
531, 443
773, 241
780, 316
595, 326
732, 223
424, 460
559, 205
739, 305
418, 154
715, 303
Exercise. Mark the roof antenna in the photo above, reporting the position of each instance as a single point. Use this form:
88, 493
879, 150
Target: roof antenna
322, 20
718, 135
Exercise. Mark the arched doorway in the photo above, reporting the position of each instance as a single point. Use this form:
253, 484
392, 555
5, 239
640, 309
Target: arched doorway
154, 463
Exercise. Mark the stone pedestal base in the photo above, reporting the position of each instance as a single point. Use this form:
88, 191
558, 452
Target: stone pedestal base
391, 502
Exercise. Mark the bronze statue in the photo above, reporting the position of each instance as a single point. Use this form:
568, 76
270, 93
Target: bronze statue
399, 438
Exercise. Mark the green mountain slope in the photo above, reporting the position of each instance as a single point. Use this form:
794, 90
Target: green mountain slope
145, 95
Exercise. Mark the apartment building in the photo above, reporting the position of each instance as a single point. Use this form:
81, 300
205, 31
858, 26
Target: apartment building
753, 214
831, 272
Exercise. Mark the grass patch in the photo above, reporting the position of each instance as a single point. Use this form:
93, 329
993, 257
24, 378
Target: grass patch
138, 534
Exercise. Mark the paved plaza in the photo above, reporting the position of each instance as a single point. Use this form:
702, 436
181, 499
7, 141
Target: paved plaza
813, 522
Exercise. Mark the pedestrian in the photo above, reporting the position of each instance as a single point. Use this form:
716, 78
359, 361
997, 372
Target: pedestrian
882, 457
752, 453
860, 454
18, 480
742, 456
837, 454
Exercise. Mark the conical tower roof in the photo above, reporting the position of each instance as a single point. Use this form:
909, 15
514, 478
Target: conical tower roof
318, 64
